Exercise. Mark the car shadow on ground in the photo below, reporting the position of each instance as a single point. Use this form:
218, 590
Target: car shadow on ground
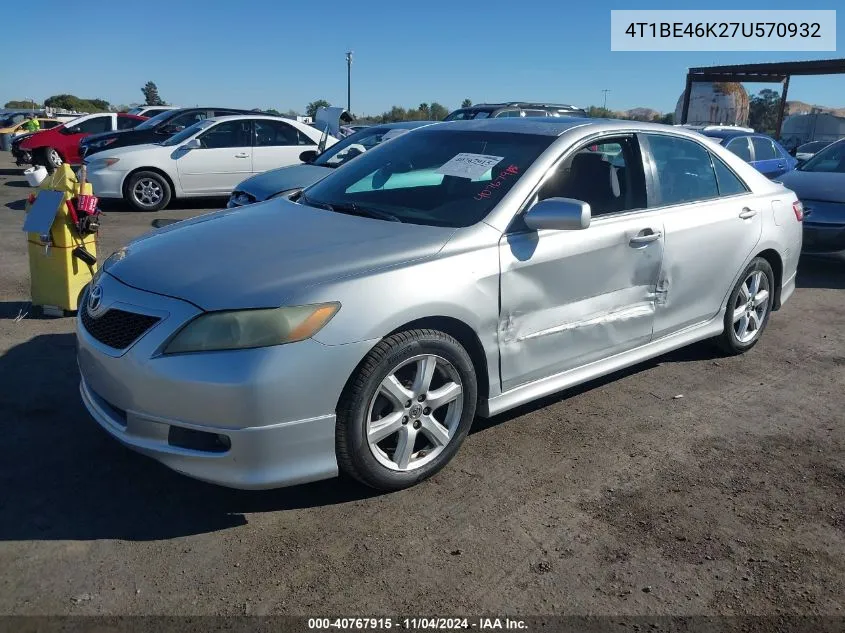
12, 172
186, 204
16, 205
66, 478
23, 184
821, 272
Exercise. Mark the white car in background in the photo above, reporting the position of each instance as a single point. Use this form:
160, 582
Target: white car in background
208, 158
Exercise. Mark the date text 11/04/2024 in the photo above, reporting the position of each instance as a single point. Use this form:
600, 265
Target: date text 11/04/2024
724, 29
419, 623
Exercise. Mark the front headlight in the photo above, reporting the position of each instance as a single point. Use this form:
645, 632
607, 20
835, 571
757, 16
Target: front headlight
244, 329
101, 163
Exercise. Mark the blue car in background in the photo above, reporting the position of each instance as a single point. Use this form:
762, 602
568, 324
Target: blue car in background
764, 153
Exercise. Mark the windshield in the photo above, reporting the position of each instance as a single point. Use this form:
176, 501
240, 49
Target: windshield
813, 146
356, 144
153, 121
830, 159
187, 133
441, 178
468, 113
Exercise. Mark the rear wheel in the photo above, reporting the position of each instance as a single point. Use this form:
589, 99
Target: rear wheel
148, 191
405, 413
749, 308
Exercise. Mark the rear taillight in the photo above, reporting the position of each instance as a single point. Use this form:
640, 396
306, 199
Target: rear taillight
798, 208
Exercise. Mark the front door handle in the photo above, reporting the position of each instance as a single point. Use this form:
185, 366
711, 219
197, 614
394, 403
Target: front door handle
645, 236
747, 213
241, 155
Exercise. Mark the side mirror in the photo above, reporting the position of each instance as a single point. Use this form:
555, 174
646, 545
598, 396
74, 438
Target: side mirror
559, 214
308, 155
194, 143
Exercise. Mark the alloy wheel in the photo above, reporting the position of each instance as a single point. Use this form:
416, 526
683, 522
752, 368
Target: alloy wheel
414, 413
147, 192
53, 157
751, 306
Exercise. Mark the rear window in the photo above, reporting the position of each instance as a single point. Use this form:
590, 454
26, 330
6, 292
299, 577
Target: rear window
468, 113
440, 178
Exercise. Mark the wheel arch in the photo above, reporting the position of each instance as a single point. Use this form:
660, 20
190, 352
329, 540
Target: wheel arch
776, 262
462, 333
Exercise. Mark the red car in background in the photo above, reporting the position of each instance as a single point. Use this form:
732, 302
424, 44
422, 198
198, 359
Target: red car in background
60, 144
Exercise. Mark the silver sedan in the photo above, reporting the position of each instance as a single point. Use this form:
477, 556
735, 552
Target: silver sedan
458, 271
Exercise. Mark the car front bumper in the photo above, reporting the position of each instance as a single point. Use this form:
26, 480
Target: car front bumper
107, 182
256, 418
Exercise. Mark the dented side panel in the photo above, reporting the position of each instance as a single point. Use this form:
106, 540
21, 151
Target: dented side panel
707, 245
571, 297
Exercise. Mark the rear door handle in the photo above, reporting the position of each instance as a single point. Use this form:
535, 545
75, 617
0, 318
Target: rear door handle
645, 236
241, 155
747, 213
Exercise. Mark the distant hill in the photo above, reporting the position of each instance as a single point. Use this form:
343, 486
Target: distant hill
641, 114
798, 107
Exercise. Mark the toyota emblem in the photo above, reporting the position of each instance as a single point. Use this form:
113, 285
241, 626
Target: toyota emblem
95, 298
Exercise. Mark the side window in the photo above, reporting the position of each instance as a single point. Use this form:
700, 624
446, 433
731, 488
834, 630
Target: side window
186, 120
304, 139
533, 113
763, 148
94, 126
608, 176
729, 183
740, 147
684, 171
126, 123
274, 133
507, 113
227, 134
225, 112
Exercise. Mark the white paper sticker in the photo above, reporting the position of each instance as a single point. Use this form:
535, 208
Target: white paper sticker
470, 166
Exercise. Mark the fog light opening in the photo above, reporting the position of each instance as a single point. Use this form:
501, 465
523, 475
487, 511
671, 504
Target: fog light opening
198, 440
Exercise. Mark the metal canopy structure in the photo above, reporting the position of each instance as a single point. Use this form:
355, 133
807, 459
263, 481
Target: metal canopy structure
775, 72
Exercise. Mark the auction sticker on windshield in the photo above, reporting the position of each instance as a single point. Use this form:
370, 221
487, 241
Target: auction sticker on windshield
471, 166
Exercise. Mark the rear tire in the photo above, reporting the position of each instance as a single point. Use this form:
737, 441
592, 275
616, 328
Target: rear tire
748, 309
406, 410
147, 191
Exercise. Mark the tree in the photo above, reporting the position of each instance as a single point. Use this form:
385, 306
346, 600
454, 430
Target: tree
74, 103
763, 111
438, 112
600, 113
466, 103
273, 111
151, 97
21, 105
311, 108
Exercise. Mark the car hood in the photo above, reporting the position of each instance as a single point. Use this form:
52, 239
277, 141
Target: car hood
262, 186
815, 185
261, 255
128, 150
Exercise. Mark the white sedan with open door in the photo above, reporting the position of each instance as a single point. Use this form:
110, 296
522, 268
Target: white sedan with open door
206, 159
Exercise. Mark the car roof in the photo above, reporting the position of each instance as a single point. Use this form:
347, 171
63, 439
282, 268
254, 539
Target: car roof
729, 133
235, 117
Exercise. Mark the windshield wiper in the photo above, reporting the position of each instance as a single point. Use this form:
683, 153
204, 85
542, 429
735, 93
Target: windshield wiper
351, 209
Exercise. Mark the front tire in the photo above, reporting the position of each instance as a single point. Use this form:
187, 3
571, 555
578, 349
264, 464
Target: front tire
405, 412
49, 157
148, 191
749, 307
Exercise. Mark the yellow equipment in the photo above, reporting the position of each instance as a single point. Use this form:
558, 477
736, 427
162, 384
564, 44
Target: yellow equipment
57, 275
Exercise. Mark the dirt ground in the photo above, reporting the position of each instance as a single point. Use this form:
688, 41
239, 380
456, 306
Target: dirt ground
620, 497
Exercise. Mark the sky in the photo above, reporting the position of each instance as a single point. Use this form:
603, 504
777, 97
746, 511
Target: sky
283, 54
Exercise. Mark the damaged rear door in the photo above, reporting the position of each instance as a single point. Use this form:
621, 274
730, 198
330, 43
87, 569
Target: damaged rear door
712, 221
572, 297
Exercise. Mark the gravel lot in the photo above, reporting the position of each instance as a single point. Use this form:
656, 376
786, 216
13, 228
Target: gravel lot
620, 497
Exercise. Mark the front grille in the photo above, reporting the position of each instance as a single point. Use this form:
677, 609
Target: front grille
117, 328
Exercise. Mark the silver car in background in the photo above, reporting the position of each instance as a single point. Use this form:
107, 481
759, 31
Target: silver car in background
287, 180
460, 270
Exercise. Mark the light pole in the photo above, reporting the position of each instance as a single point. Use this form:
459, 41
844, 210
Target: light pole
349, 81
604, 107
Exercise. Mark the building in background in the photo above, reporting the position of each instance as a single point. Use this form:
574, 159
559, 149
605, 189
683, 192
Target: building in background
815, 126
